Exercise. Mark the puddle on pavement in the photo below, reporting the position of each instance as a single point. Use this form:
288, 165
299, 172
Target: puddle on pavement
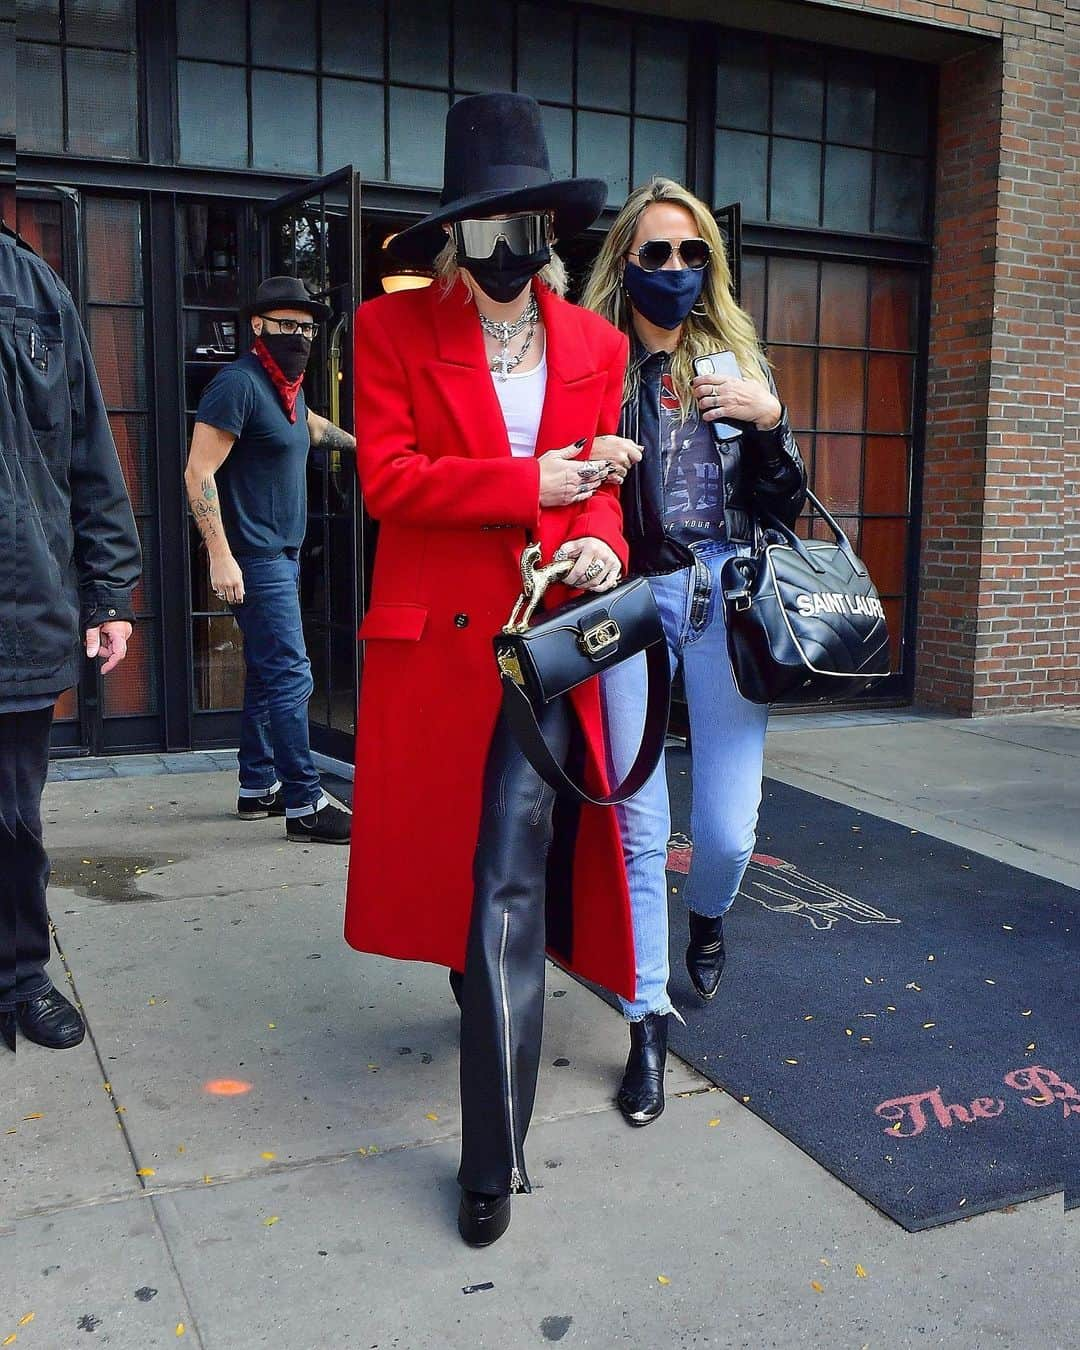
112, 878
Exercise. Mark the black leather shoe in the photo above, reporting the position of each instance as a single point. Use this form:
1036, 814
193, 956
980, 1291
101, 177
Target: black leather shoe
50, 1020
258, 808
705, 954
641, 1095
457, 983
483, 1219
7, 1029
330, 825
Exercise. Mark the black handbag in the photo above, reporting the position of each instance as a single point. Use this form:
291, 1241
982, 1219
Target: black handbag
540, 662
803, 617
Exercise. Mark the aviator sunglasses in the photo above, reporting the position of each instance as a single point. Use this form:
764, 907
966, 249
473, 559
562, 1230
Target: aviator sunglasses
521, 234
654, 253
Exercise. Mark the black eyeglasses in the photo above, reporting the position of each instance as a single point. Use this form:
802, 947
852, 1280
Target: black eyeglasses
654, 253
291, 326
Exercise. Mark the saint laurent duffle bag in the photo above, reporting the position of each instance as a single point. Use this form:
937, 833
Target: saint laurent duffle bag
804, 620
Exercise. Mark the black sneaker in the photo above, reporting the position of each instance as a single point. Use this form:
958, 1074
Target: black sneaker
330, 825
258, 808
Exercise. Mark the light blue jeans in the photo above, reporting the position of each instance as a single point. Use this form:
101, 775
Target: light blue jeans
728, 741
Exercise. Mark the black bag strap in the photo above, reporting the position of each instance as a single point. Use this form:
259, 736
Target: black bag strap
797, 544
521, 716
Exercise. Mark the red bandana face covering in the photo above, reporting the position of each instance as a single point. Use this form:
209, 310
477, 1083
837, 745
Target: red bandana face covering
287, 389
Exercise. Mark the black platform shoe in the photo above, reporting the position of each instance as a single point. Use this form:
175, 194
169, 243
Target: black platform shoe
483, 1219
705, 954
51, 1020
641, 1095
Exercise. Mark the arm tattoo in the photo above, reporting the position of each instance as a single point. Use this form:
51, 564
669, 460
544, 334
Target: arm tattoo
333, 438
205, 509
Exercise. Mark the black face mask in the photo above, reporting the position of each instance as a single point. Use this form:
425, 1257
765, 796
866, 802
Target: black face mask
504, 275
290, 350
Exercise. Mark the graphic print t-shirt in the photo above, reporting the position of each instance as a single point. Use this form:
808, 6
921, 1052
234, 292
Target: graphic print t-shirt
693, 473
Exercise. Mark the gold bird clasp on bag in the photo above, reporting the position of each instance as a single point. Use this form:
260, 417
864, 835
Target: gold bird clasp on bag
535, 580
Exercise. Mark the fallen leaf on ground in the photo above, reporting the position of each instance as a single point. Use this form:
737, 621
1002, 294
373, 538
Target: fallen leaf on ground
431, 1116
9, 1340
860, 1272
662, 1279
817, 1286
25, 1321
145, 1172
714, 1122
179, 1328
928, 1025
35, 1115
269, 1223
791, 1061
268, 1156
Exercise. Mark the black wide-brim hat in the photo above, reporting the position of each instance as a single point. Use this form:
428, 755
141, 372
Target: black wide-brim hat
496, 163
286, 293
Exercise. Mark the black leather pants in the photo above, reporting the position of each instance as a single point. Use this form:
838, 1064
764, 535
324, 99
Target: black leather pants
502, 1016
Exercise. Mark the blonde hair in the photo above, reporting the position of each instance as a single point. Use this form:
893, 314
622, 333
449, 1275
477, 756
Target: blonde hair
716, 321
552, 274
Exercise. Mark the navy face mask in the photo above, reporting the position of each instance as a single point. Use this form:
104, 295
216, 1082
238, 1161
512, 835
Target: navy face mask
665, 297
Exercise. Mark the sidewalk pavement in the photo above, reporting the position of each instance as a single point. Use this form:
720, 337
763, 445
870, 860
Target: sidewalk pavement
256, 1143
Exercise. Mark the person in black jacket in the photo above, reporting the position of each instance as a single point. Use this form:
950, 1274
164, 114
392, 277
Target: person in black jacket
69, 559
692, 496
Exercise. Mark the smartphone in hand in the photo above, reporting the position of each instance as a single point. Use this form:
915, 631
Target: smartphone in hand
721, 363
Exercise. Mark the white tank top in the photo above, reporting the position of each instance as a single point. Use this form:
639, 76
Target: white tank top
521, 398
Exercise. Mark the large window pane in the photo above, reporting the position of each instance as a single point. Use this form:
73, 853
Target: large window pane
902, 109
792, 300
38, 19
559, 134
483, 43
843, 304
135, 691
100, 23
793, 372
113, 250
352, 40
837, 470
886, 490
659, 148
798, 91
847, 189
283, 34
742, 83
603, 151
660, 75
283, 122
603, 67
352, 127
850, 104
39, 97
752, 298
219, 662
794, 182
893, 308
417, 132
116, 339
102, 103
740, 168
211, 28
890, 394
420, 43
545, 52
840, 391
213, 115
899, 203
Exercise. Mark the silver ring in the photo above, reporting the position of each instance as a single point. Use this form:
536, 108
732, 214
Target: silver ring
593, 570
220, 595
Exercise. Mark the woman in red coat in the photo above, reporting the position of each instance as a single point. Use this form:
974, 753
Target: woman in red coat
477, 401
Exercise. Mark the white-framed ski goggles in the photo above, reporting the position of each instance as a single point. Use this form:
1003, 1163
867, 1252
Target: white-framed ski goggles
522, 235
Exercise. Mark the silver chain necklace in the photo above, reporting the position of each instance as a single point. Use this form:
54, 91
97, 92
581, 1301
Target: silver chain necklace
504, 333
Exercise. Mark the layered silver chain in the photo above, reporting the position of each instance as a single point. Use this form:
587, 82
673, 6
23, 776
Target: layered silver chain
504, 333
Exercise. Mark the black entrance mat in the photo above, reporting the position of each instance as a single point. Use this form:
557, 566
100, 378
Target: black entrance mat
903, 1010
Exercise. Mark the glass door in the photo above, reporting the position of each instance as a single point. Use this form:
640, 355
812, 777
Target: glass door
313, 233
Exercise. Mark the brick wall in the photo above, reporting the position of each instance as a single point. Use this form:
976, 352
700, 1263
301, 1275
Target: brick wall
999, 600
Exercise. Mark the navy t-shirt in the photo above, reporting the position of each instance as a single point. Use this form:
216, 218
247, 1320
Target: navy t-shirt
262, 486
693, 473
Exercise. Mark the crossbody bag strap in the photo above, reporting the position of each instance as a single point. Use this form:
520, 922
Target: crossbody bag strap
521, 716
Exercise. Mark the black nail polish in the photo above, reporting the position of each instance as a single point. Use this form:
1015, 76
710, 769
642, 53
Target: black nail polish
578, 444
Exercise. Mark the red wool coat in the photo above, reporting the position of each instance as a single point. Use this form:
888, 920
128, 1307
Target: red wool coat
455, 509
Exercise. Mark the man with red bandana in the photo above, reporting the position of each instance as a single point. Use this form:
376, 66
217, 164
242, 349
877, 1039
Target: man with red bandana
246, 480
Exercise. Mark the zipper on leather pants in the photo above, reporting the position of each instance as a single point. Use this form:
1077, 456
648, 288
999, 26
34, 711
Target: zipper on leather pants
516, 1183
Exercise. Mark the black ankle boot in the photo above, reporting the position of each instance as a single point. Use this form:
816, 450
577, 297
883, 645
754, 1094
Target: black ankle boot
705, 954
641, 1095
483, 1219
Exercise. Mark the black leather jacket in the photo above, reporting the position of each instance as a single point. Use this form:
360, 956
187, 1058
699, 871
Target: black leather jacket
762, 469
69, 551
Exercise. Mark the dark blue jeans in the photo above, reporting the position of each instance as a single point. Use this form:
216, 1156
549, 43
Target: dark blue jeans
274, 744
24, 866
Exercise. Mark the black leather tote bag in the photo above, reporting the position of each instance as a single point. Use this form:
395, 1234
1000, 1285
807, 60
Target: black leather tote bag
804, 620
